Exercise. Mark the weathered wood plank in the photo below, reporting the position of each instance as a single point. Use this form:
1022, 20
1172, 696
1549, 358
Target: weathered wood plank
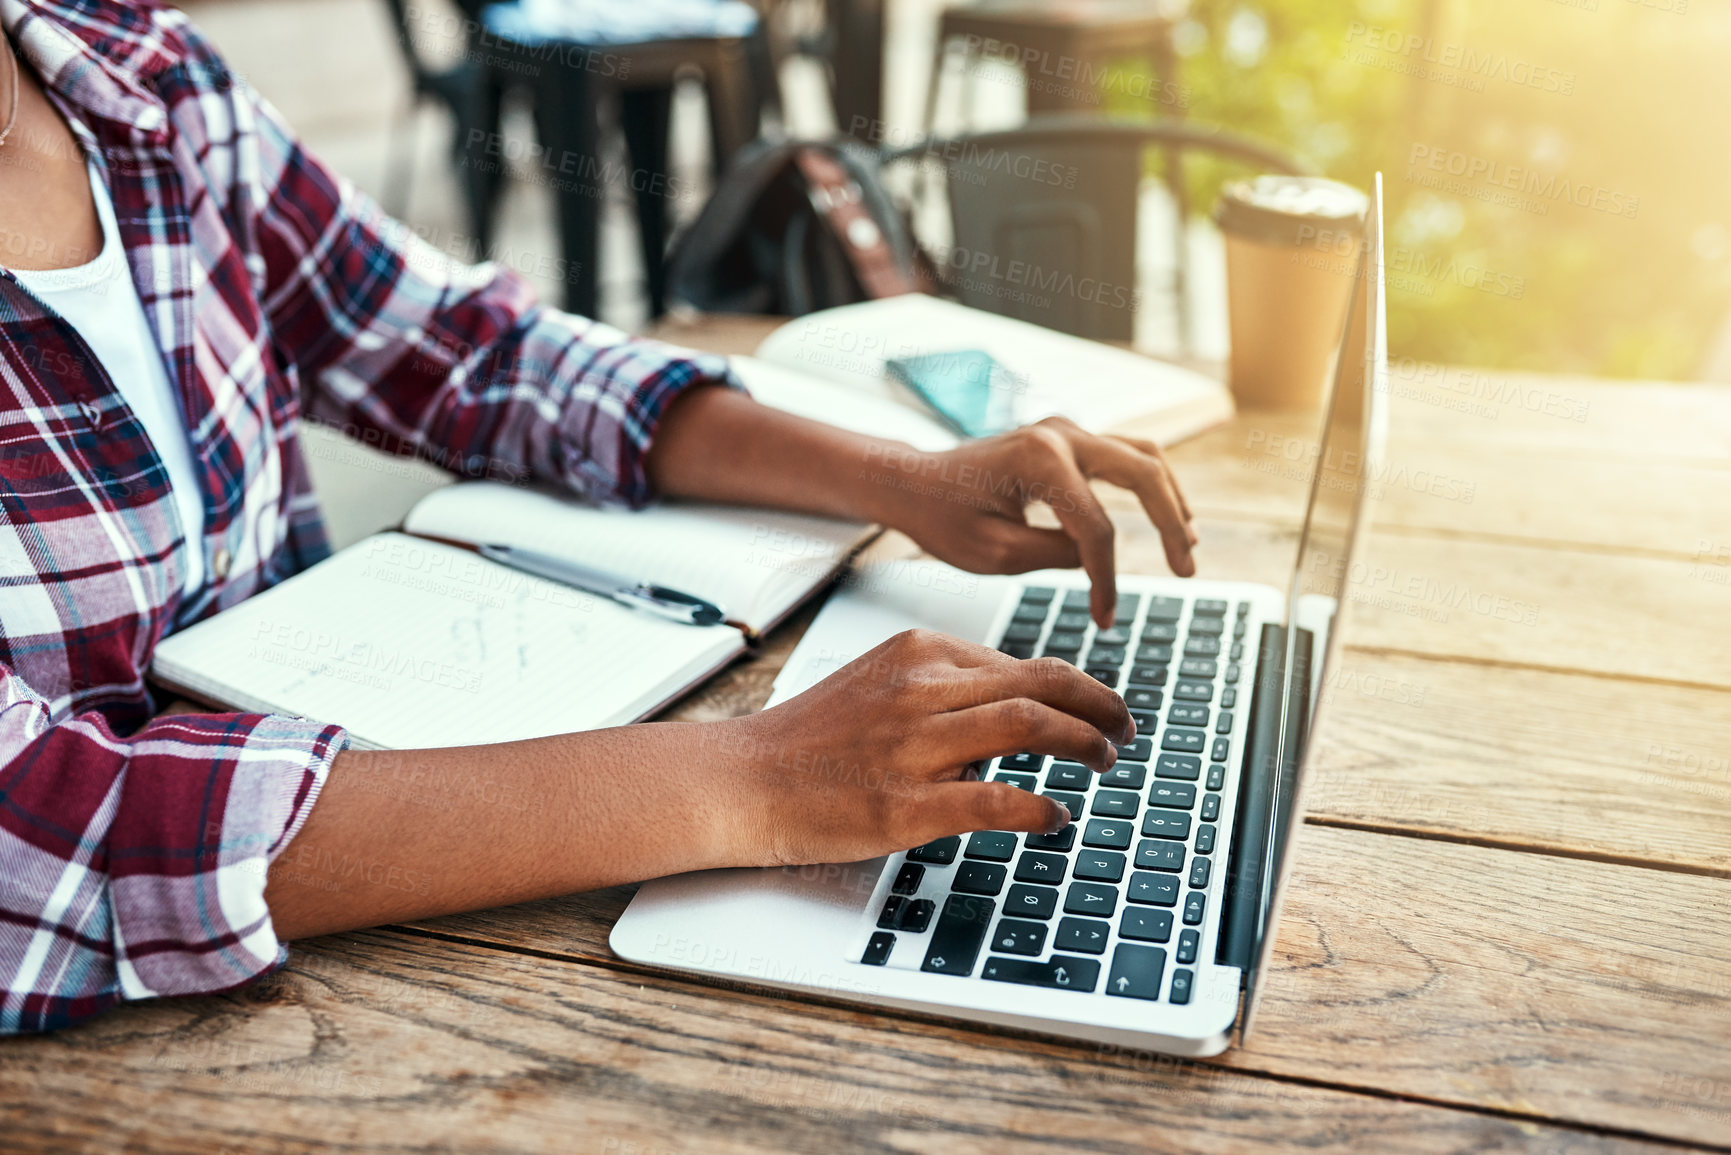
381, 1041
1580, 991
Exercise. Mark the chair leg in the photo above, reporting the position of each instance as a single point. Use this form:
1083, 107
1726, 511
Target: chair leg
645, 116
569, 129
400, 159
483, 169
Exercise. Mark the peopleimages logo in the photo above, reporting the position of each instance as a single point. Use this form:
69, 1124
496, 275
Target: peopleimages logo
1527, 181
1470, 62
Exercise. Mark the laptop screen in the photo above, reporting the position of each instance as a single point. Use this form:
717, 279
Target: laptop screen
1347, 458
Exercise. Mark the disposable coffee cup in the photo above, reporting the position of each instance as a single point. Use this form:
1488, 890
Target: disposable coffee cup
1292, 248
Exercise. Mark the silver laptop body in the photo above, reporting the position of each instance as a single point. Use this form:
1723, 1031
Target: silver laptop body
970, 930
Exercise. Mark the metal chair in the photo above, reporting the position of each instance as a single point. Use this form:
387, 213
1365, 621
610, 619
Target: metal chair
1036, 244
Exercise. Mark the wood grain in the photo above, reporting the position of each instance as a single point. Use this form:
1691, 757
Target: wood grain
1418, 967
381, 1041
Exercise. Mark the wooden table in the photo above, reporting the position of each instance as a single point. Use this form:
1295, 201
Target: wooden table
1510, 924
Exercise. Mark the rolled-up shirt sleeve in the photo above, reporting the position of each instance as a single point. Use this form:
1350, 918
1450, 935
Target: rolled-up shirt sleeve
135, 867
413, 351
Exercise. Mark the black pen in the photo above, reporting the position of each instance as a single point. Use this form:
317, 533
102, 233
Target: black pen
656, 599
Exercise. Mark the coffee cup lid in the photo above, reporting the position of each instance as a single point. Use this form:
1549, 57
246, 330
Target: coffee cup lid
1273, 208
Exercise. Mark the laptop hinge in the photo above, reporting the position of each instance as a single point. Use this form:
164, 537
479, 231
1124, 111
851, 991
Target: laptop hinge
1242, 898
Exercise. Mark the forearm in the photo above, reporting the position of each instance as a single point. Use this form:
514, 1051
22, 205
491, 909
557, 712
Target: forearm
411, 834
720, 445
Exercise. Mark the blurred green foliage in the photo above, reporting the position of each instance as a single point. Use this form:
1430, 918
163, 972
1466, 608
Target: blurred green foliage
1637, 293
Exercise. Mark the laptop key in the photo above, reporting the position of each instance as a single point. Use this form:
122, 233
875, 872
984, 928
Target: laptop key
1018, 936
1107, 835
1178, 766
956, 940
1187, 714
1023, 763
877, 951
1064, 637
1200, 626
1166, 824
1153, 654
1019, 781
1125, 776
979, 878
1100, 865
1181, 987
1115, 804
1237, 652
1136, 971
1221, 751
1210, 808
1046, 868
1072, 621
1084, 934
1145, 925
1198, 668
1216, 777
1069, 776
1147, 721
1199, 873
1228, 698
1205, 840
1160, 632
1148, 889
939, 853
1188, 942
1231, 680
1223, 724
1195, 903
1147, 675
1117, 635
1038, 595
1031, 901
1172, 795
1017, 649
892, 910
1190, 690
1075, 599
1183, 741
1112, 656
1091, 898
1070, 802
1061, 973
1022, 632
908, 878
1106, 675
916, 915
1165, 609
995, 845
1152, 854
1062, 840
1140, 698
1061, 653
1201, 647
1138, 750
1029, 612
1128, 604
1210, 608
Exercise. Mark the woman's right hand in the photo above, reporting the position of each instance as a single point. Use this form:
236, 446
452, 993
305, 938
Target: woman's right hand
875, 757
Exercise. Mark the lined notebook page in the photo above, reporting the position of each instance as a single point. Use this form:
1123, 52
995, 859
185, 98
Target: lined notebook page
410, 643
755, 564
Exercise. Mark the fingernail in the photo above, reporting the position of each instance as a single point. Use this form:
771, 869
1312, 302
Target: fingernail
1111, 756
1062, 820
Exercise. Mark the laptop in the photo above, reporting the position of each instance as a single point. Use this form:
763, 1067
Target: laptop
1149, 922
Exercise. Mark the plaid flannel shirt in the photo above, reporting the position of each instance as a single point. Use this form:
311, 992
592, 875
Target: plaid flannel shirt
133, 852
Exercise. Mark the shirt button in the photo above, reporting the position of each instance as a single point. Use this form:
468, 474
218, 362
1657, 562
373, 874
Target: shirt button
92, 413
220, 563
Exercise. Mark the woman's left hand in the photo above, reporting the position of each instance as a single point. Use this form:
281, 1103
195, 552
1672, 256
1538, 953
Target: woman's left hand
967, 506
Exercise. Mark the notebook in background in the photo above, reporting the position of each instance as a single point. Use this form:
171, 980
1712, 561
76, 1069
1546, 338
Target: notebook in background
1097, 386
409, 642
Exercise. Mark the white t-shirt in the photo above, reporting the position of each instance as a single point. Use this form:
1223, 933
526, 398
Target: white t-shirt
101, 302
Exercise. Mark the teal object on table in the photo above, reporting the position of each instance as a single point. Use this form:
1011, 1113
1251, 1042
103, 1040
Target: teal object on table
968, 390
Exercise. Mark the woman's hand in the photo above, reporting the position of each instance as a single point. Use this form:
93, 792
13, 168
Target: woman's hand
968, 506
873, 758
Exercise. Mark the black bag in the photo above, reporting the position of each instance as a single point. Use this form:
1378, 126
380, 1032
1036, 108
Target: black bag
793, 227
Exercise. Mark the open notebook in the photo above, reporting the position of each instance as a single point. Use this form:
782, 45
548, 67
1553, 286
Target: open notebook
408, 641
830, 365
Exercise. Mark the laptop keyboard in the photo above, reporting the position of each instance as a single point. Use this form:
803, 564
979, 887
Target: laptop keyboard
1114, 903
